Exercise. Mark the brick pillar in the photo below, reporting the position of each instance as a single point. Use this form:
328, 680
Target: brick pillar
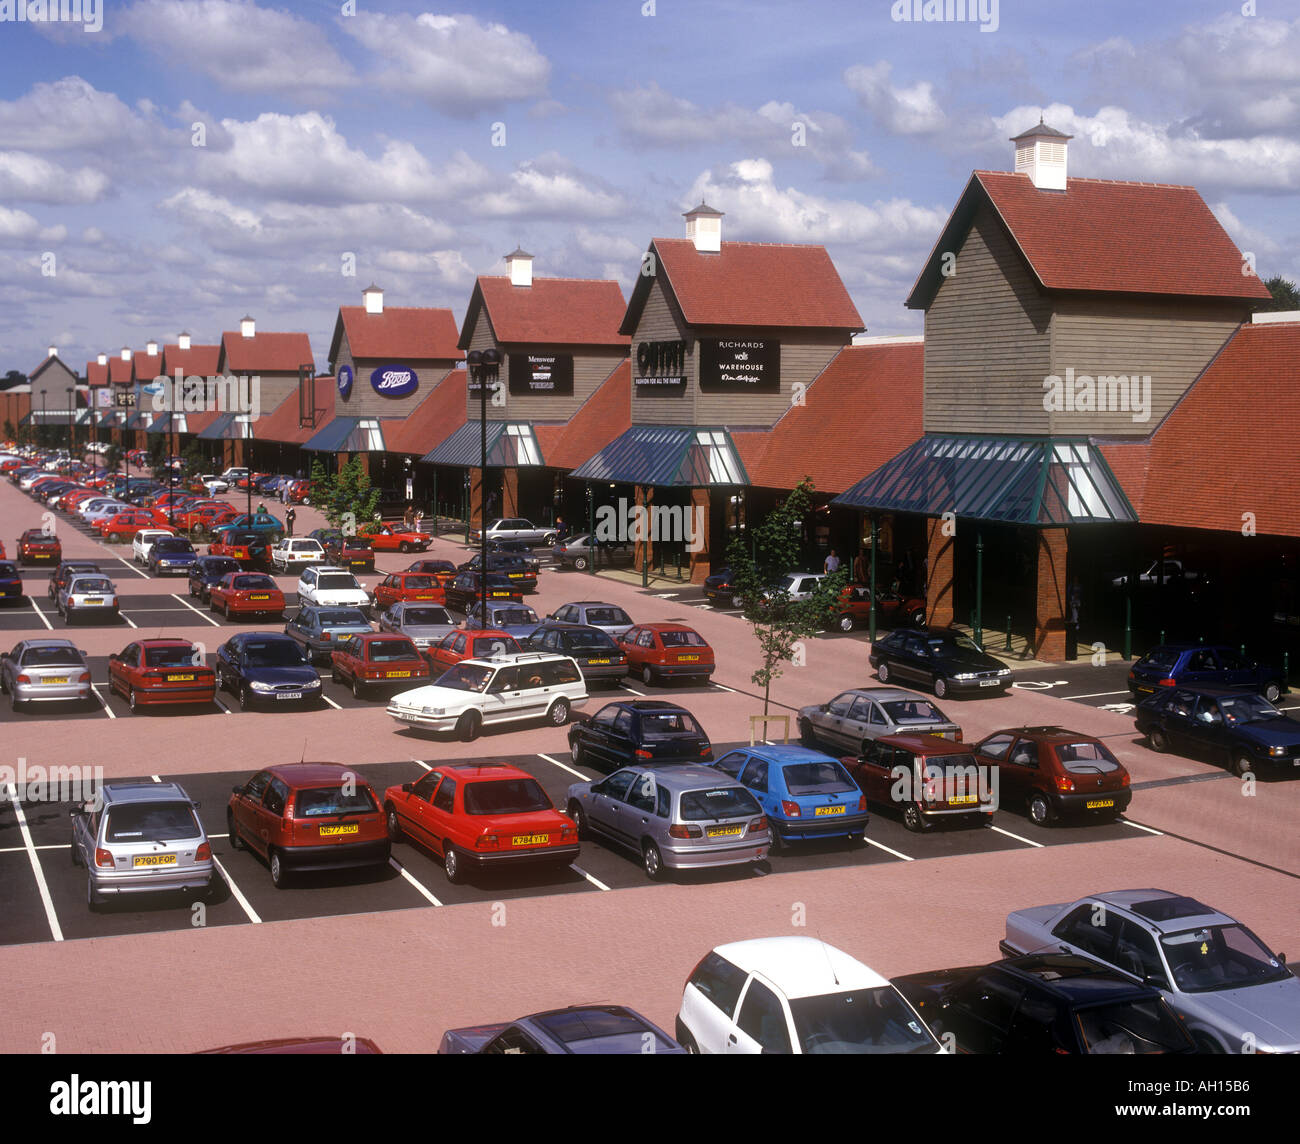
1051, 595
940, 585
643, 546
476, 497
510, 492
700, 515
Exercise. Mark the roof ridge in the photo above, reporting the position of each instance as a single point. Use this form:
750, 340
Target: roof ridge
540, 278
1086, 179
745, 242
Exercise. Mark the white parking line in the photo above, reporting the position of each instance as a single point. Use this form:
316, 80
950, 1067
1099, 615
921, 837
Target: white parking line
192, 608
130, 564
721, 688
887, 850
422, 763
666, 595
38, 611
594, 881
46, 900
155, 778
396, 865
331, 703
236, 893
128, 619
1139, 826
1289, 708
1095, 694
1026, 841
103, 702
217, 700
703, 607
633, 690
562, 766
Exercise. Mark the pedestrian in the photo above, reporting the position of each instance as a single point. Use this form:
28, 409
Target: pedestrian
408, 517
561, 529
832, 563
284, 492
289, 518
1075, 600
860, 569
419, 519
261, 507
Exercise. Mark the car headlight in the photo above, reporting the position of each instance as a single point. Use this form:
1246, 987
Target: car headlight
434, 710
313, 683
965, 675
1277, 750
256, 686
1004, 671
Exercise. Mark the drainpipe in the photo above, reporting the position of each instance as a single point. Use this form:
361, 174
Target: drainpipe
873, 579
979, 588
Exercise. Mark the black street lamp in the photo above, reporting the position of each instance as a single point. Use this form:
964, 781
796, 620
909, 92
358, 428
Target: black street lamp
483, 362
72, 424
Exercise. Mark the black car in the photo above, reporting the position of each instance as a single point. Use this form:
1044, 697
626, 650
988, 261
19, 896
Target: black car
1203, 665
517, 569
209, 570
1240, 730
597, 653
944, 659
580, 1029
171, 555
464, 589
11, 581
718, 587
66, 571
268, 666
514, 548
1045, 1004
634, 731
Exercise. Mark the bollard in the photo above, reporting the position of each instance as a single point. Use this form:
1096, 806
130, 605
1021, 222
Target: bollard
1128, 628
1286, 666
1162, 635
1008, 647
678, 558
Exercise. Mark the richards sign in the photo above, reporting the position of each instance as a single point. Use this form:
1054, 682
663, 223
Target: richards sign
740, 365
544, 374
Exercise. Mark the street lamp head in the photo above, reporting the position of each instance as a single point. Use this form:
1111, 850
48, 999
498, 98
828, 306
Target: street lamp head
492, 357
474, 358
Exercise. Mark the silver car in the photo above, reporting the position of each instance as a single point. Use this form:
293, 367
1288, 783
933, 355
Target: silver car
515, 528
674, 816
1234, 994
609, 618
853, 718
518, 620
87, 595
576, 553
44, 671
424, 624
139, 838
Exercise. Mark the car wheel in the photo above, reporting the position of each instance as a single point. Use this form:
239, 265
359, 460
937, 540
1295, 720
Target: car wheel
451, 863
1158, 739
15, 703
335, 677
580, 563
131, 700
882, 672
807, 736
652, 862
236, 843
913, 819
576, 752
1271, 692
1040, 810
574, 811
558, 715
777, 844
356, 688
74, 853
245, 697
394, 825
858, 838
94, 899
279, 876
1242, 765
468, 726
550, 540
940, 687
404, 547
1207, 1045
647, 676
846, 623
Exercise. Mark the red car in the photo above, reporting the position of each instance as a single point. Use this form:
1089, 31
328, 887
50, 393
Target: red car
395, 538
482, 815
121, 529
398, 586
35, 546
237, 546
666, 651
895, 611
473, 643
308, 816
206, 515
444, 571
161, 672
368, 662
246, 593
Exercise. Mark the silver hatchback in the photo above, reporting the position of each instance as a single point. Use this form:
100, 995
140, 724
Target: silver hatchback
87, 595
45, 670
141, 838
676, 817
854, 718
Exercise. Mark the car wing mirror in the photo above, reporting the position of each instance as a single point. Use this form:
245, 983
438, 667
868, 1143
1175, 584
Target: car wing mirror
407, 787
237, 790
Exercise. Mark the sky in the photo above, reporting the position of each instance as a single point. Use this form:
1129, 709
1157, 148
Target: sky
188, 162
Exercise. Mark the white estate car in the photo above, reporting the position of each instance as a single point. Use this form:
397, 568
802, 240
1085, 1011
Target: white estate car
294, 552
214, 484
795, 995
331, 586
143, 542
484, 692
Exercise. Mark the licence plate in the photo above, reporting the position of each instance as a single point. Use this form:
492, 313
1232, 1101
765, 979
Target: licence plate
180, 679
259, 597
688, 658
91, 603
722, 831
1148, 690
829, 810
397, 675
597, 661
288, 695
988, 682
154, 860
516, 575
1100, 803
962, 799
529, 839
344, 828
498, 595
55, 679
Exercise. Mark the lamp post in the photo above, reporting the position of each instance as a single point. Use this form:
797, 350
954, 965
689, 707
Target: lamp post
72, 425
483, 362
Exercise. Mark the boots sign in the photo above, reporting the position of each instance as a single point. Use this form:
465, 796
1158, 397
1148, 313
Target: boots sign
394, 380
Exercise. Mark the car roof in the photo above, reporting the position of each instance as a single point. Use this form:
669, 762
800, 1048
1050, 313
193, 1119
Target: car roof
882, 694
668, 627
48, 641
298, 775
786, 753
647, 705
801, 966
1072, 976
685, 776
116, 793
1044, 733
1164, 910
514, 657
925, 744
484, 769
163, 641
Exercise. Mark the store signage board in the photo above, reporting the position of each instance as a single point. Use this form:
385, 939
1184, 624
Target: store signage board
660, 368
541, 374
740, 365
345, 381
394, 380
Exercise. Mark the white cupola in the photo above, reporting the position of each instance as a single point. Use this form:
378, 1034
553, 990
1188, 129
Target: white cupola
1041, 154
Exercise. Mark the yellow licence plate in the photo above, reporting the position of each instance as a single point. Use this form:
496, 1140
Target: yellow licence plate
597, 661
687, 658
830, 810
55, 679
91, 602
397, 675
720, 831
529, 839
259, 597
1100, 803
154, 860
962, 799
516, 575
498, 594
343, 828
180, 679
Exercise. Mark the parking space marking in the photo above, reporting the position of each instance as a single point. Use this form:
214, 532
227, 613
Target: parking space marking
633, 690
1095, 694
1008, 834
331, 703
128, 619
422, 763
594, 881
94, 687
720, 687
424, 892
38, 611
155, 778
562, 766
217, 700
32, 857
133, 568
236, 893
666, 595
1139, 826
887, 850
192, 608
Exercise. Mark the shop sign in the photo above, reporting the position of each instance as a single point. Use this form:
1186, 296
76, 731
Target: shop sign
394, 380
345, 381
661, 368
541, 374
740, 365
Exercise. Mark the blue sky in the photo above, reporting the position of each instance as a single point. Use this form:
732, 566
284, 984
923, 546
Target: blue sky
375, 133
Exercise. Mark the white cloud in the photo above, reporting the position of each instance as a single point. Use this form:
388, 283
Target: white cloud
899, 110
31, 178
549, 186
1246, 237
71, 114
456, 63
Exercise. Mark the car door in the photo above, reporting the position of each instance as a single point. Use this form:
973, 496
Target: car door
307, 586
709, 1001
620, 747
762, 1024
503, 698
416, 813
595, 736
1178, 717
980, 1012
1206, 729
754, 776
1238, 671
272, 828
440, 818
120, 669
247, 807
914, 659
608, 801
1019, 774
1091, 928
993, 752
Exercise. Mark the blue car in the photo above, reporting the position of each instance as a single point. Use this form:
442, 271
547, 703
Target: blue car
270, 666
11, 582
1203, 665
804, 793
171, 556
580, 1029
518, 620
257, 522
1242, 731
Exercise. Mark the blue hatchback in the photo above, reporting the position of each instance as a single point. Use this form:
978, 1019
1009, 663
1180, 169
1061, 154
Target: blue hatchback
1203, 665
804, 793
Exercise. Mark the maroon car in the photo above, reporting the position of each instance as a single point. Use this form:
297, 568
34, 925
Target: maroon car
38, 547
927, 778
853, 610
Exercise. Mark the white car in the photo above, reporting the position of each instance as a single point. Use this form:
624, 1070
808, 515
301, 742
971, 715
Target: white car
796, 995
486, 692
90, 509
214, 484
332, 587
294, 552
104, 511
143, 542
234, 474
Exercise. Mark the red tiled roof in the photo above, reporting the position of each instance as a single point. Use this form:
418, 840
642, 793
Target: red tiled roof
750, 284
274, 353
197, 361
1249, 394
147, 367
601, 419
552, 311
120, 372
281, 424
1112, 237
863, 409
400, 333
96, 374
431, 422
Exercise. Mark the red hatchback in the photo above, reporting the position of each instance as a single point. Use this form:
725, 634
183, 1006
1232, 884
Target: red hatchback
408, 586
481, 815
37, 547
370, 661
308, 816
152, 673
473, 643
659, 652
246, 593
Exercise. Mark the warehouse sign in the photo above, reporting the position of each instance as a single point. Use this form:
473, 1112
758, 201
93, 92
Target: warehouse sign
394, 381
660, 368
740, 365
541, 374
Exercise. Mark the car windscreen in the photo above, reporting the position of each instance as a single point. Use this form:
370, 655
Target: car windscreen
904, 711
437, 566
602, 1031
336, 581
664, 724
466, 676
588, 640
171, 657
682, 639
611, 616
317, 802
505, 796
50, 657
357, 542
1247, 709
243, 583
1140, 1025
1086, 758
8, 568
172, 544
418, 583
826, 777
280, 653
219, 566
950, 644
859, 1021
386, 651
485, 647
343, 618
718, 802
1220, 957
426, 616
151, 822
507, 616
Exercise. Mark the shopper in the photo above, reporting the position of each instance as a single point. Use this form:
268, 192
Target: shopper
289, 518
832, 563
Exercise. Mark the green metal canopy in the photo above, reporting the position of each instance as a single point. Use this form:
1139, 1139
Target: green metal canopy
510, 445
667, 456
228, 427
348, 435
1042, 482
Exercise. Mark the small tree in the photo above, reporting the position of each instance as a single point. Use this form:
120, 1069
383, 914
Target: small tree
1286, 295
11, 434
193, 459
346, 497
757, 570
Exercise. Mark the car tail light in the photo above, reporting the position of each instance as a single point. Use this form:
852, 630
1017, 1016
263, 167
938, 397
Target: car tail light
862, 804
1063, 783
956, 738
757, 824
24, 679
1132, 675
640, 754
84, 677
1169, 683
706, 751
685, 830
487, 842
372, 672
289, 808
103, 857
203, 853
569, 834
1124, 779
789, 809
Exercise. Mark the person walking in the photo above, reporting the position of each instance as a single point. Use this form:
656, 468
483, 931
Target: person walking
832, 563
860, 570
408, 517
419, 520
290, 517
261, 508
